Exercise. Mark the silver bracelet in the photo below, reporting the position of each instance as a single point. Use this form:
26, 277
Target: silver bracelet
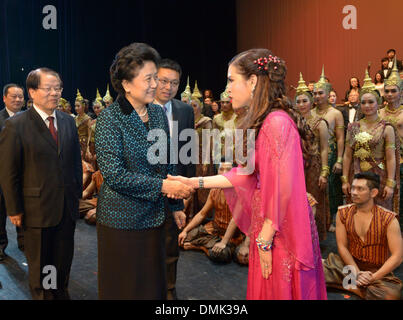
201, 183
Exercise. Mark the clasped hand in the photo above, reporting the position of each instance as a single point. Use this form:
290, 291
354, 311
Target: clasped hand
364, 278
177, 187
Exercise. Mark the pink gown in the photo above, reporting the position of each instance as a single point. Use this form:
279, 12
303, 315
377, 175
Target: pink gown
276, 191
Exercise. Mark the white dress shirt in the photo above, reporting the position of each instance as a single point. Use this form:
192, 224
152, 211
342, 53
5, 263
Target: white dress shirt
10, 113
168, 106
45, 116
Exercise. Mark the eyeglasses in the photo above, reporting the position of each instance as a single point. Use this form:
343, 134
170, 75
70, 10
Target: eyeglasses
14, 97
164, 82
49, 89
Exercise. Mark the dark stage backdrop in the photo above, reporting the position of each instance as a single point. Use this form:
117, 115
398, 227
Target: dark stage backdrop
310, 33
88, 34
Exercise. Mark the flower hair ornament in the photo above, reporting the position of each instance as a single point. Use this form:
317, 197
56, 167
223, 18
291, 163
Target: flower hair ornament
271, 66
263, 62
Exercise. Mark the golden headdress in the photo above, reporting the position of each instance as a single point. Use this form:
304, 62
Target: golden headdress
196, 93
303, 89
322, 84
225, 96
187, 94
107, 97
98, 97
394, 77
369, 87
63, 102
79, 97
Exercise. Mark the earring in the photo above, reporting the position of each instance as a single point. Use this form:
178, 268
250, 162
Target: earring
252, 93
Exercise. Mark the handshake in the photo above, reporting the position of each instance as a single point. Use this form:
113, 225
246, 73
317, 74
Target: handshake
178, 187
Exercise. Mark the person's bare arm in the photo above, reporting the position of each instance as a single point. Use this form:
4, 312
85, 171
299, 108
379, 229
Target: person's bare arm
339, 132
347, 159
86, 177
390, 156
196, 221
395, 244
229, 233
89, 191
218, 181
324, 152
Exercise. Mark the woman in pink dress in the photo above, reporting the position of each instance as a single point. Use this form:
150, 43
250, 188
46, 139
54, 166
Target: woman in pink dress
270, 204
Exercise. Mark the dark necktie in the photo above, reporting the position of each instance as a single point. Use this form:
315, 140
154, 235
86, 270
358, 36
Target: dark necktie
52, 129
165, 109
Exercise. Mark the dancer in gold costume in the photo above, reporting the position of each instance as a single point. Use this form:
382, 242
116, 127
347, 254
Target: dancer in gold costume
372, 145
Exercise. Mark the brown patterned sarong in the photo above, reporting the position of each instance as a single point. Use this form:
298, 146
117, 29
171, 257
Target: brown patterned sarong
388, 288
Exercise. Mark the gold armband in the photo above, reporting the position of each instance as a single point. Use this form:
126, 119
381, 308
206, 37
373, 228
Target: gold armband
340, 127
339, 160
344, 179
390, 183
325, 171
391, 146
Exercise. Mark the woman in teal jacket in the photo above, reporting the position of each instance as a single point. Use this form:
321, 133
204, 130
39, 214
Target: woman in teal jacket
133, 202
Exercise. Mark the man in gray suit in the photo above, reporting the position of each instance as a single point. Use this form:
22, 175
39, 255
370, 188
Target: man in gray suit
180, 115
13, 98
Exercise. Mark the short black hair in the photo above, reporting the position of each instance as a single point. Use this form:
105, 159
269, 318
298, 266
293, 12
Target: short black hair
11, 85
170, 64
390, 50
128, 61
373, 180
385, 59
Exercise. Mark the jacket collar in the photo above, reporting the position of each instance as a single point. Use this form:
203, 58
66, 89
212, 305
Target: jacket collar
124, 105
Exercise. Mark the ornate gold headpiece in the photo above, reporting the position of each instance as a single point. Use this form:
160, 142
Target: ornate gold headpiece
107, 97
225, 95
303, 89
98, 97
394, 77
196, 93
63, 102
79, 97
322, 84
369, 87
187, 94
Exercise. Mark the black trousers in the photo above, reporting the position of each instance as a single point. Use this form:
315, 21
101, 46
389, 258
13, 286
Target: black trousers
53, 246
131, 264
3, 230
172, 254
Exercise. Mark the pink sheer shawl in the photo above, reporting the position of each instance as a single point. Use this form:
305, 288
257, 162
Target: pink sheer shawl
279, 174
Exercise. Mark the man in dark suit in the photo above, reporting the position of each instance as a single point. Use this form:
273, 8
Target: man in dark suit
13, 98
41, 178
385, 70
352, 109
391, 53
180, 117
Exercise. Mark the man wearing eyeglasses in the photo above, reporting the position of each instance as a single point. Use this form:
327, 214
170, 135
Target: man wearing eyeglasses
180, 117
41, 178
13, 98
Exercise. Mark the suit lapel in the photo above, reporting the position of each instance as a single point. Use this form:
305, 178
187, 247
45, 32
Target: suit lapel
175, 111
61, 131
40, 125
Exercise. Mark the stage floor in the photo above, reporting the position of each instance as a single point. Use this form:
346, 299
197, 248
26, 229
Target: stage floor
198, 277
